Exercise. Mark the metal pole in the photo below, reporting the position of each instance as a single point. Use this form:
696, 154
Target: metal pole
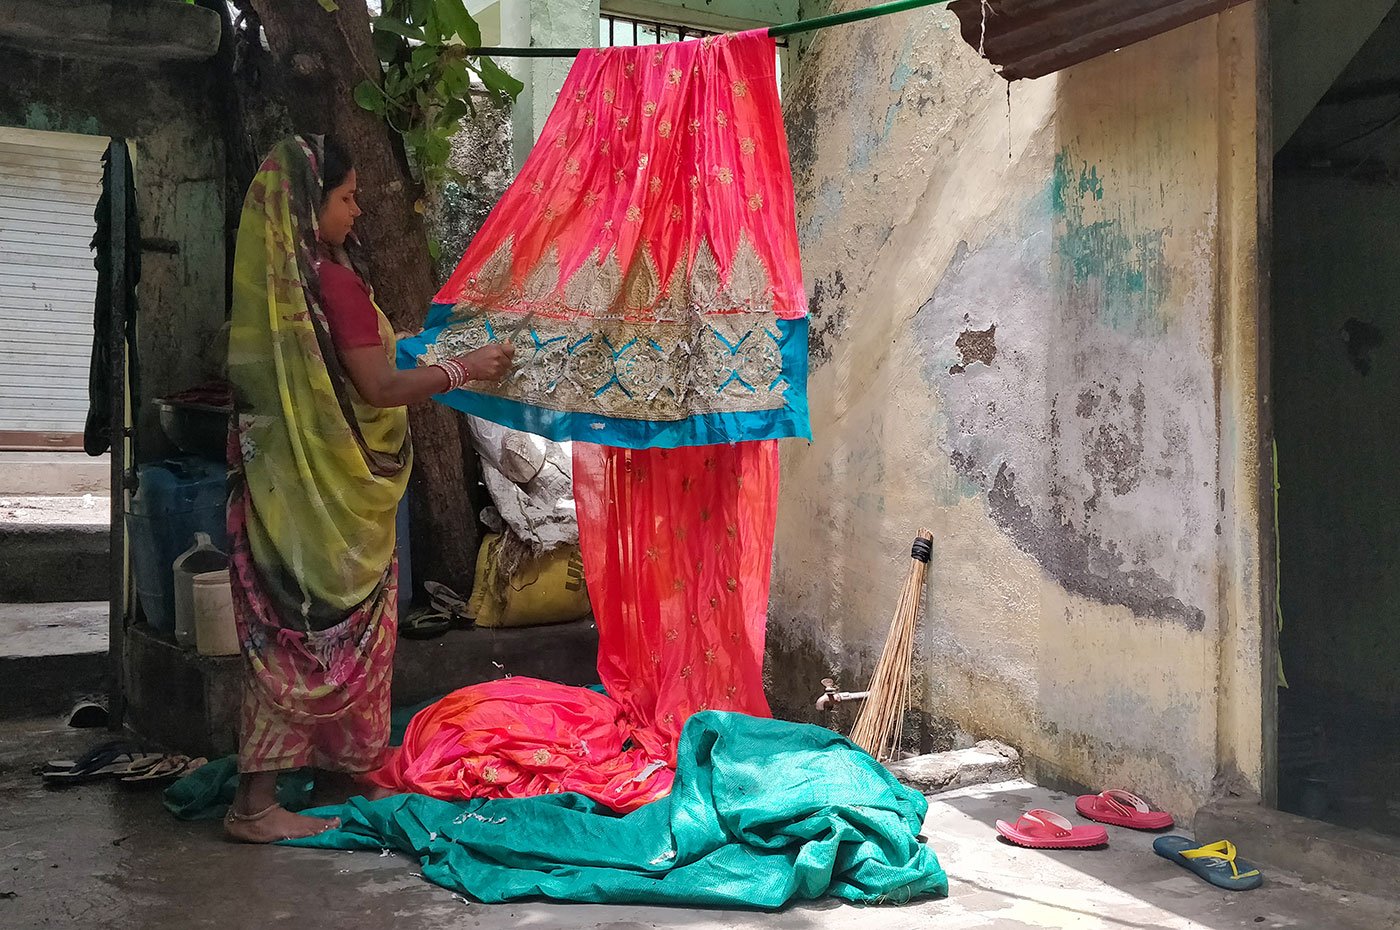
777, 32
117, 195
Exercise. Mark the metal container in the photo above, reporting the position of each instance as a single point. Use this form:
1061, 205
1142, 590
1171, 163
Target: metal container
196, 429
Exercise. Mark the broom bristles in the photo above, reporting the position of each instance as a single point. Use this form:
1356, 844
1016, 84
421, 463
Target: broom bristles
880, 726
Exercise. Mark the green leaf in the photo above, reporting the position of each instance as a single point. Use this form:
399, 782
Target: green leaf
453, 111
438, 150
434, 27
369, 97
435, 249
425, 55
396, 82
456, 79
455, 17
388, 45
497, 80
421, 9
398, 27
330, 6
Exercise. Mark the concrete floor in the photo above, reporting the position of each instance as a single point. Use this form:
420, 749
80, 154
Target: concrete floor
100, 858
53, 510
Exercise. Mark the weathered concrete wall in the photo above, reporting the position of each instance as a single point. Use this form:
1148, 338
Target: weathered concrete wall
1021, 306
165, 113
571, 24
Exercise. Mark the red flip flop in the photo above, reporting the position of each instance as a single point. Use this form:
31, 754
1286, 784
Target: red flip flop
1042, 829
1122, 809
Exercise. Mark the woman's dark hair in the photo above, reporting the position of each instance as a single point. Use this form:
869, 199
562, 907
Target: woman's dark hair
335, 165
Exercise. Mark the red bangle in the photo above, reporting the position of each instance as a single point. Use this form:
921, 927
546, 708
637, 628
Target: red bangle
456, 372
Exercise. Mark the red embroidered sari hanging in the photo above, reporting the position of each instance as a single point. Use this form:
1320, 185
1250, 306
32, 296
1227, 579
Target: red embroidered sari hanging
645, 265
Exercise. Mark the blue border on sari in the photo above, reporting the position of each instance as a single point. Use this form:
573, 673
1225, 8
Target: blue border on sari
791, 421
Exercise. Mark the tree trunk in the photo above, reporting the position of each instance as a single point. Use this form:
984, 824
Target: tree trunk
324, 56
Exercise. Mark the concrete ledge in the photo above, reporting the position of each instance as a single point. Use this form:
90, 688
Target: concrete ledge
182, 700
139, 32
1316, 851
44, 686
985, 763
179, 699
50, 656
425, 669
44, 563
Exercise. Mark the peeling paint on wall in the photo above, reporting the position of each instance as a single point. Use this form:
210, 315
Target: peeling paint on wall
1106, 265
1085, 564
1086, 468
975, 346
826, 308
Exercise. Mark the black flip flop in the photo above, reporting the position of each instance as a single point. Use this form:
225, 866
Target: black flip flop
110, 760
426, 624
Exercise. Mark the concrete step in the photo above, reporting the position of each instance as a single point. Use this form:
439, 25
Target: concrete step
425, 669
50, 656
53, 562
190, 703
58, 473
1320, 852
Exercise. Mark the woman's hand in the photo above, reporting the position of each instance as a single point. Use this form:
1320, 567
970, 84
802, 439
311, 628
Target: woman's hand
381, 385
489, 363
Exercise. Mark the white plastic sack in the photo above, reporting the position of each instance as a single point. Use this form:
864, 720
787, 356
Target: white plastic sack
531, 482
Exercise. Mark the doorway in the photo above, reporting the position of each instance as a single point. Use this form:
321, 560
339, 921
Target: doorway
55, 500
1336, 395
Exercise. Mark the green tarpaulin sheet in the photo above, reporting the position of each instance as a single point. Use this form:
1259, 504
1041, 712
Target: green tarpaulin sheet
763, 812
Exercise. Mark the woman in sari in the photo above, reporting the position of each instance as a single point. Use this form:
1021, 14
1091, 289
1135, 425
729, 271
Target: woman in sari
319, 458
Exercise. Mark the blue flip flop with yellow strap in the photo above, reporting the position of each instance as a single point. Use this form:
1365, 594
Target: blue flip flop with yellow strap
1217, 863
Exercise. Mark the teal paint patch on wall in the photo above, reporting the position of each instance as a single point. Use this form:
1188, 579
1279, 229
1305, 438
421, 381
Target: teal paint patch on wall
867, 139
45, 119
1106, 266
903, 71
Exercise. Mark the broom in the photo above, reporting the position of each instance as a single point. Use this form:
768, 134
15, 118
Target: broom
881, 722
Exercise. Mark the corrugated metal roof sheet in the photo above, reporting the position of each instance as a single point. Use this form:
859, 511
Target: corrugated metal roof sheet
1033, 38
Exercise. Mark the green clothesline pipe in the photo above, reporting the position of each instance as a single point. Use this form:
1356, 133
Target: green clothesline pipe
850, 16
777, 32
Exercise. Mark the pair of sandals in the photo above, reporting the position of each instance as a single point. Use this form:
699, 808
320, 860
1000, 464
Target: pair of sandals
120, 761
1217, 863
445, 611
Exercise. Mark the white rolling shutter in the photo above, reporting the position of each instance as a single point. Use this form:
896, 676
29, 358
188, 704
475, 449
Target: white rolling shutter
49, 186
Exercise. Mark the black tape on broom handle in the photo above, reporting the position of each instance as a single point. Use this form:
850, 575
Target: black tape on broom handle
923, 550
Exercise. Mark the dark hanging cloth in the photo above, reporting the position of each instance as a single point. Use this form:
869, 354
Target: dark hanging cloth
97, 435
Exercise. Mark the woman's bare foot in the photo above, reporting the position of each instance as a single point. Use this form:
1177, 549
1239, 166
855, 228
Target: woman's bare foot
274, 824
